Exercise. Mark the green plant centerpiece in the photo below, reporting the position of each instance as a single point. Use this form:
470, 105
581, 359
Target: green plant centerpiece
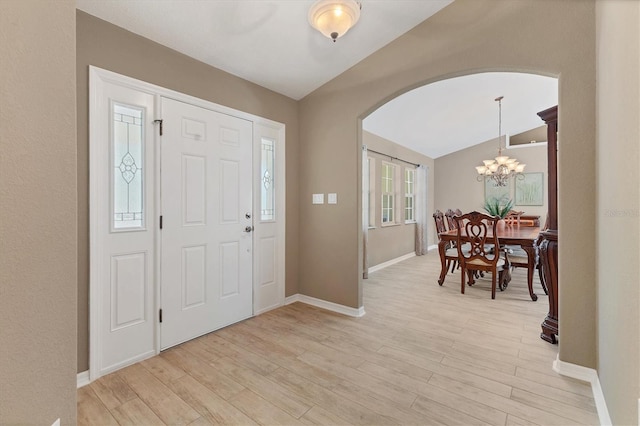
498, 207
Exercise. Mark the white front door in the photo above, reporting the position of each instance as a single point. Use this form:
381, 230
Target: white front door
199, 176
207, 223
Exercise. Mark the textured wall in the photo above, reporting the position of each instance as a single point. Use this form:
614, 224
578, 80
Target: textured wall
456, 184
37, 212
618, 209
389, 242
110, 47
554, 38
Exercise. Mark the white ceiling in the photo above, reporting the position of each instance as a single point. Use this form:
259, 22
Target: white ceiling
268, 42
454, 114
271, 43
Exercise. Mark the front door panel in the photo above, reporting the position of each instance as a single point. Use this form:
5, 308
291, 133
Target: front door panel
206, 240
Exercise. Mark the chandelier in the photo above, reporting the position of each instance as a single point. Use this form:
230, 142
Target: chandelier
502, 167
333, 18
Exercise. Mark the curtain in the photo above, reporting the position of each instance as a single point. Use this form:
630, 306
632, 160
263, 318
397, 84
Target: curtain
422, 189
365, 212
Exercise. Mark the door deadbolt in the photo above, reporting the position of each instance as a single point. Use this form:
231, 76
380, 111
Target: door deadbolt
248, 229
247, 215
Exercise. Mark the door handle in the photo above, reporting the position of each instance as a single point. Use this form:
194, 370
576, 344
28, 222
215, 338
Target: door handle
248, 229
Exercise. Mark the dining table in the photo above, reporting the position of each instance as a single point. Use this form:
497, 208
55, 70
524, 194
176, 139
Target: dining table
510, 235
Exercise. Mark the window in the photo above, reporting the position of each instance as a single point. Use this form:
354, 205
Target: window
388, 195
409, 195
372, 192
267, 196
127, 162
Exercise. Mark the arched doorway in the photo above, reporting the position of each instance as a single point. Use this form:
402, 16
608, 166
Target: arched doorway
449, 125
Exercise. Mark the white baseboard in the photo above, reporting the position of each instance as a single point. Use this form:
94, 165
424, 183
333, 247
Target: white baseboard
329, 306
586, 375
391, 262
83, 379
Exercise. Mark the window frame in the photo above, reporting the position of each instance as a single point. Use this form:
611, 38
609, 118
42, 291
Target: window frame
388, 181
410, 195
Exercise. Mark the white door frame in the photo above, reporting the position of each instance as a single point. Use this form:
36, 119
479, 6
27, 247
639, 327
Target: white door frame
261, 126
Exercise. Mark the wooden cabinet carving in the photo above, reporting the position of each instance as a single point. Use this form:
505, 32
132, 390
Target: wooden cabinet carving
549, 245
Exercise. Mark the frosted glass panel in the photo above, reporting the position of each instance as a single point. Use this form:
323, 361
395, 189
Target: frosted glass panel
267, 196
128, 154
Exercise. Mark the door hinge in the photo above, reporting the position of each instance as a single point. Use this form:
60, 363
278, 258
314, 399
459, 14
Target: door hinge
160, 222
159, 121
160, 315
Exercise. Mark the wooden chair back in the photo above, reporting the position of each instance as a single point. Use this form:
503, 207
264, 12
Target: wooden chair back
439, 218
478, 230
451, 222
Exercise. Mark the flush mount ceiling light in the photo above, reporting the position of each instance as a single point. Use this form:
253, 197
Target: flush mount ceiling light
333, 18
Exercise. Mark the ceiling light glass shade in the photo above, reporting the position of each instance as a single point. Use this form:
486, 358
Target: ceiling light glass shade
503, 167
334, 18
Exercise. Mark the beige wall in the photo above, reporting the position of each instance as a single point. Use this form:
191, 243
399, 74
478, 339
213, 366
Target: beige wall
390, 242
107, 46
457, 186
37, 212
554, 38
618, 208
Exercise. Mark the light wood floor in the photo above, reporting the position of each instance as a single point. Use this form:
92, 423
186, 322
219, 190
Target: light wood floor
421, 355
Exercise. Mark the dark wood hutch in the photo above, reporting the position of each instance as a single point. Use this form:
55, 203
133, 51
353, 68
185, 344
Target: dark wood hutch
548, 249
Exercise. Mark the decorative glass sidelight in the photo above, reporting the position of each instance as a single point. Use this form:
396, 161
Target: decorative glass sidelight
267, 196
128, 180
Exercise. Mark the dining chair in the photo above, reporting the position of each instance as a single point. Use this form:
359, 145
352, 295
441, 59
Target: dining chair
479, 231
513, 217
451, 253
518, 259
451, 222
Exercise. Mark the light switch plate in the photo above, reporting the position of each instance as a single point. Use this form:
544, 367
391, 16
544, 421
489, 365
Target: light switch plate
332, 198
317, 199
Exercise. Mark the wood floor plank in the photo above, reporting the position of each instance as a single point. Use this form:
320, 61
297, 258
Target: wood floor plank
386, 389
459, 403
445, 415
113, 391
238, 353
162, 369
518, 382
465, 376
199, 348
377, 403
509, 406
279, 355
268, 389
164, 403
409, 383
319, 416
553, 405
203, 372
91, 410
517, 421
207, 403
134, 413
352, 412
559, 382
261, 410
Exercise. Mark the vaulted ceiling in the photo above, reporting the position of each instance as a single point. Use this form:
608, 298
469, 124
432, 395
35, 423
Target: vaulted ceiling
270, 43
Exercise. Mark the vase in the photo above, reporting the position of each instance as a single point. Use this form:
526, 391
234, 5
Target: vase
500, 226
